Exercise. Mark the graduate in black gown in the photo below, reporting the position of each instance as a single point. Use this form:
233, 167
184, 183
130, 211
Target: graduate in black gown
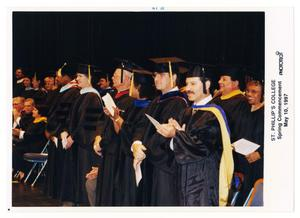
142, 88
232, 100
152, 154
108, 140
80, 135
255, 124
58, 114
236, 107
198, 144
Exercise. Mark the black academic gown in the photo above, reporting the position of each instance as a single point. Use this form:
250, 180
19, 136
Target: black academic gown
51, 98
125, 184
57, 122
25, 121
198, 152
158, 186
39, 96
18, 88
84, 121
110, 145
28, 93
253, 171
237, 110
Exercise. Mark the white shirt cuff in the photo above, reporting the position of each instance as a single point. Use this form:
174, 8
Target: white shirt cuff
172, 144
21, 136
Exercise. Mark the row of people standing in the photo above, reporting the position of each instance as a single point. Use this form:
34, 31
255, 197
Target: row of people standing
126, 160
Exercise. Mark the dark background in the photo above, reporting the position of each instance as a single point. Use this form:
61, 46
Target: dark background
43, 41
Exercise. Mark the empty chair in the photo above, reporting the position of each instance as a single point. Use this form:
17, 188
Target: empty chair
38, 159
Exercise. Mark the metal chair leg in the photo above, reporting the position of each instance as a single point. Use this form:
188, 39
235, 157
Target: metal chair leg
16, 174
32, 168
36, 178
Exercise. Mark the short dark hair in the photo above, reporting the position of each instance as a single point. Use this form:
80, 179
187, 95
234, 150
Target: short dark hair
258, 83
145, 85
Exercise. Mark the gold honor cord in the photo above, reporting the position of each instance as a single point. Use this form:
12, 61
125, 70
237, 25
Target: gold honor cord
231, 94
131, 84
89, 73
40, 119
226, 164
171, 74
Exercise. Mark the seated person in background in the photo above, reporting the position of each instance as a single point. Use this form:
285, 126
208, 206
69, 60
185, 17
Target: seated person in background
49, 83
32, 140
38, 94
18, 106
103, 85
26, 114
18, 86
28, 90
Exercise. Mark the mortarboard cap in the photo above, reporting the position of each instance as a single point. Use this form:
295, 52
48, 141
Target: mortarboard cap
86, 69
234, 72
168, 64
138, 74
125, 64
253, 74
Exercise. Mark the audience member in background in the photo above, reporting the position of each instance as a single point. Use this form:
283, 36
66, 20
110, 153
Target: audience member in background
26, 114
18, 106
32, 140
49, 83
103, 85
18, 86
28, 90
38, 94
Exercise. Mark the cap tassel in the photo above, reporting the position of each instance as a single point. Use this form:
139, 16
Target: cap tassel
34, 77
203, 81
89, 73
60, 69
131, 84
171, 74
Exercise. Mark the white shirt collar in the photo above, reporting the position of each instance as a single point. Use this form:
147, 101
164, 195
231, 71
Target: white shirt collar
20, 80
28, 88
173, 90
89, 89
66, 87
203, 101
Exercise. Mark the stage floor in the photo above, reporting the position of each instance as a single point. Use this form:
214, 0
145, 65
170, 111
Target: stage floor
23, 195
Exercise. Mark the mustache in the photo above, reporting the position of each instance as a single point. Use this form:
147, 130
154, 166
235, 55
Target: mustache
190, 92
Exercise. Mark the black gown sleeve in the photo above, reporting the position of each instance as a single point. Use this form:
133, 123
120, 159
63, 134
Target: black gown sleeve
198, 142
89, 115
